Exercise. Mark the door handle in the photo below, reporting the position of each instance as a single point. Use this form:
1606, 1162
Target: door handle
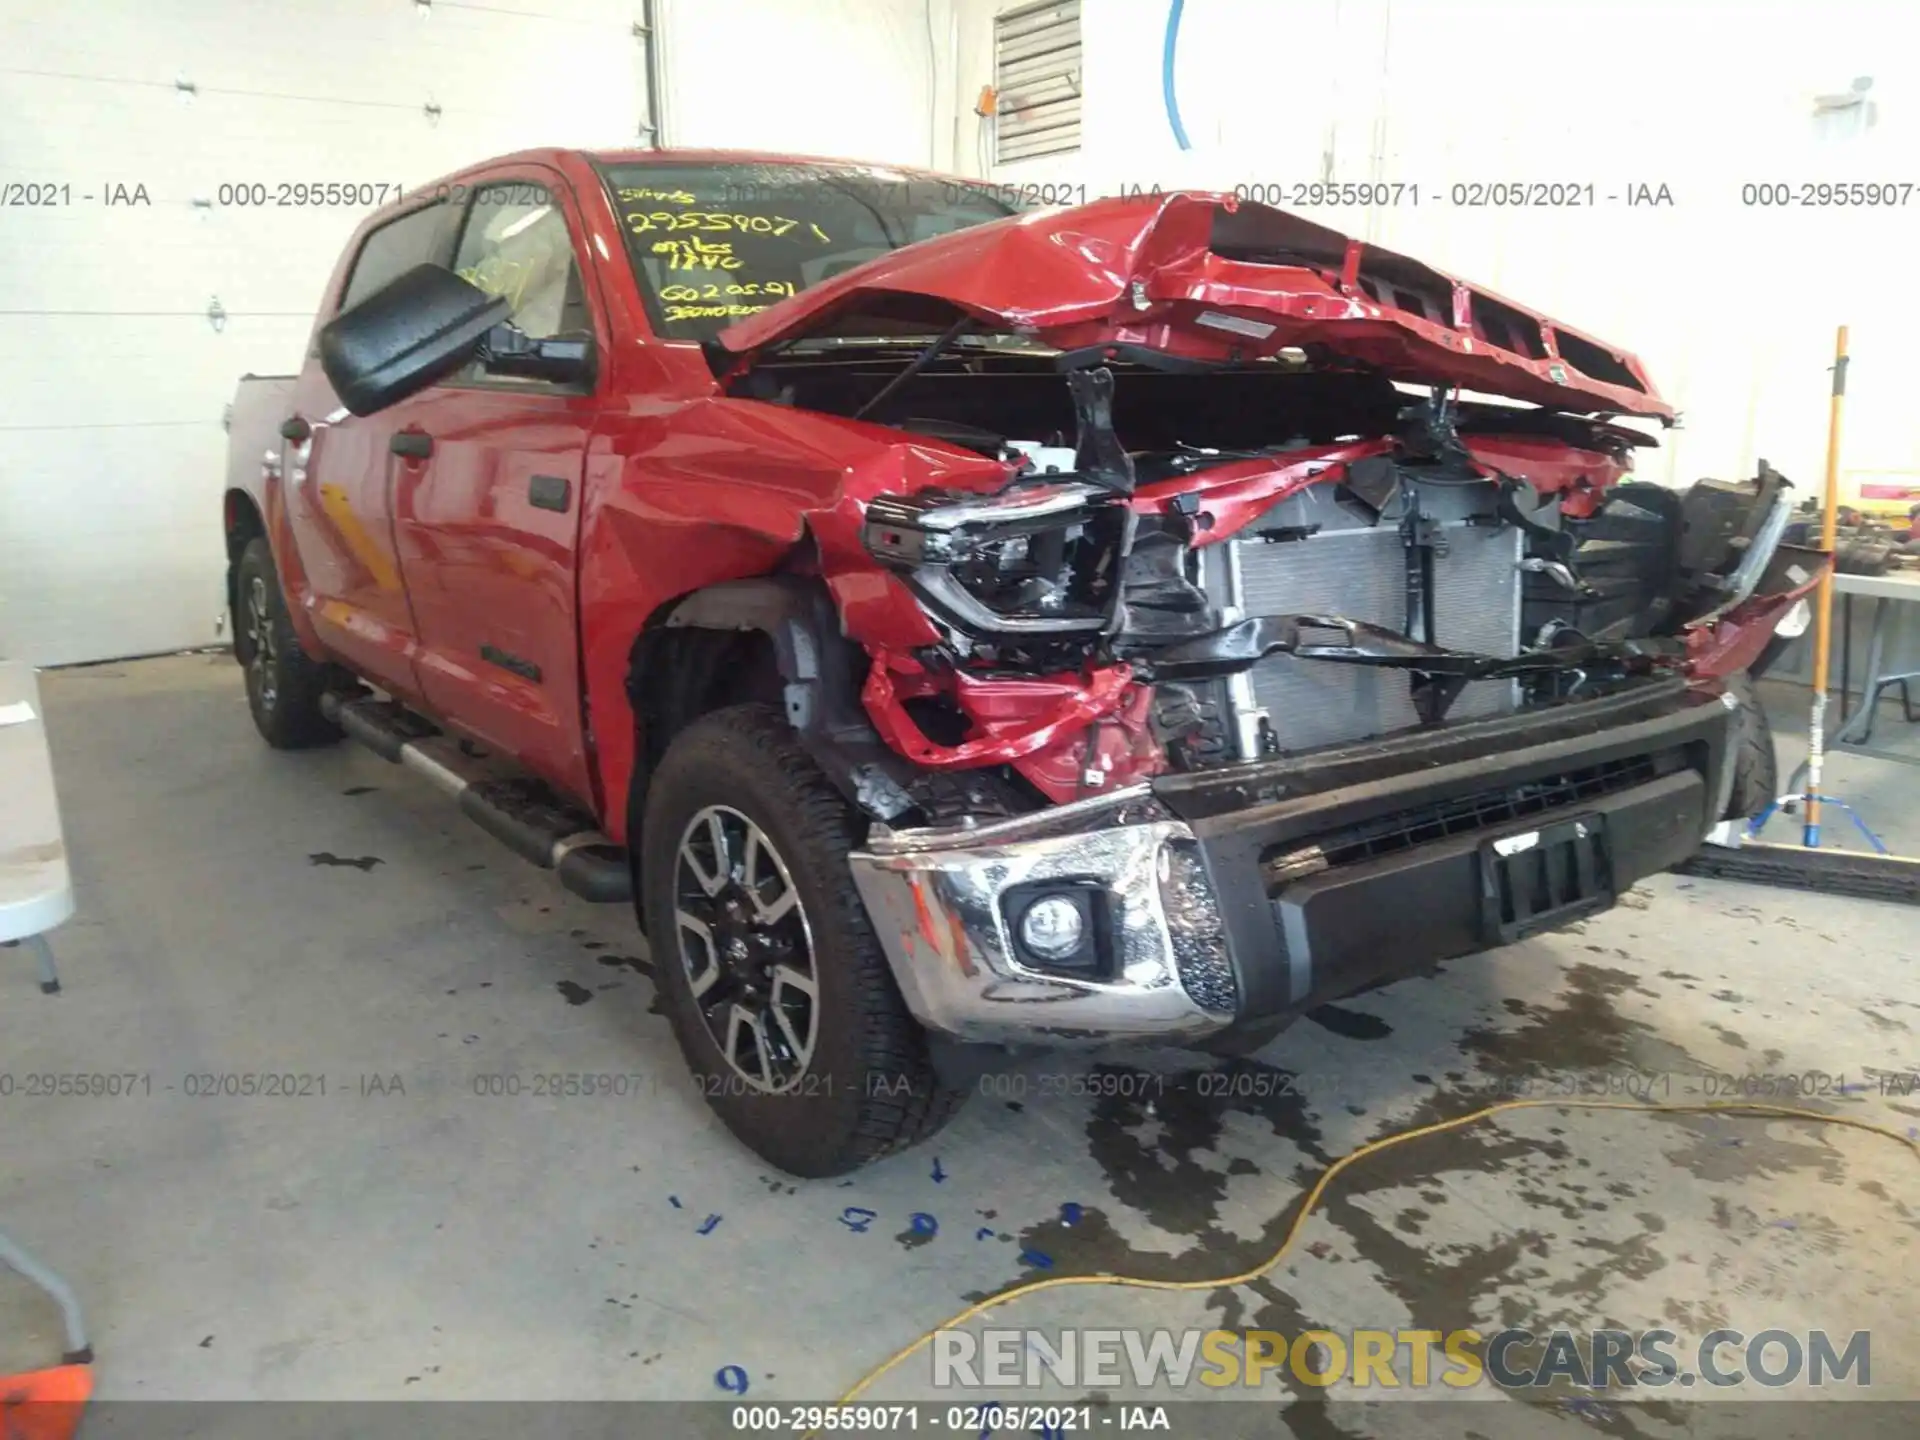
414, 444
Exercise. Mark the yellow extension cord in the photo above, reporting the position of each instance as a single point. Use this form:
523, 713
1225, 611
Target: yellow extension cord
1352, 1157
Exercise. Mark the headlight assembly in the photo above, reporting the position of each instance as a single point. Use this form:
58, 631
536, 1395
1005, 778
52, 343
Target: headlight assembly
1035, 561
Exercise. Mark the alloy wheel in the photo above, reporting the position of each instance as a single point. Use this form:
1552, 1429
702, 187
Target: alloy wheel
747, 949
261, 667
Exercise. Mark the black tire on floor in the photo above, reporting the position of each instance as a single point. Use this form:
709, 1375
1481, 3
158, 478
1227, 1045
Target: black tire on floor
284, 683
1756, 770
868, 1088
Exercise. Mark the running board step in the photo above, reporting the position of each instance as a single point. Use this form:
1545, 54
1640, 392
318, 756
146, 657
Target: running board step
521, 812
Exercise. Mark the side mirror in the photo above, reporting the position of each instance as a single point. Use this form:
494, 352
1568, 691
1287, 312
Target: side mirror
420, 328
561, 359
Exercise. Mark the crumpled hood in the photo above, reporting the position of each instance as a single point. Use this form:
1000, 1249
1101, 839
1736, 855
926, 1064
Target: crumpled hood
1207, 277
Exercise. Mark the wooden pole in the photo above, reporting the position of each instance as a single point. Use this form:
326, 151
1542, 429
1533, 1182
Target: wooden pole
1823, 602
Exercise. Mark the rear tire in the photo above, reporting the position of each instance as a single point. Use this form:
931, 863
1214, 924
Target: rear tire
779, 993
1756, 769
284, 683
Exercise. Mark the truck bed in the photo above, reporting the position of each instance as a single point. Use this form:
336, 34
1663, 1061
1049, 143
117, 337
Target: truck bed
260, 403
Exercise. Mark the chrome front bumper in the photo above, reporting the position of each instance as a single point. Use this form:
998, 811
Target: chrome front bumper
935, 899
1208, 923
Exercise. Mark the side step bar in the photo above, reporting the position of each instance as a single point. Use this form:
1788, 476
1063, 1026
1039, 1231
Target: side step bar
520, 812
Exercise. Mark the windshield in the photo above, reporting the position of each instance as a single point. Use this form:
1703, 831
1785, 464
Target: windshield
712, 244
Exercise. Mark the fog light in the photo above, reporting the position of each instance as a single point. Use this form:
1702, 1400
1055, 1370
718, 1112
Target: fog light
1052, 927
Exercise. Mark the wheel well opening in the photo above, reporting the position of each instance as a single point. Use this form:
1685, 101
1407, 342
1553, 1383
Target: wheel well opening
679, 673
242, 522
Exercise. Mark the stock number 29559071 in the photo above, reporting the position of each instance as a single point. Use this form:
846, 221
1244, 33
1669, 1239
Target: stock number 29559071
989, 1419
1121, 1084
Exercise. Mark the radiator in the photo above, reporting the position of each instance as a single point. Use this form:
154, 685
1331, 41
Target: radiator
1358, 571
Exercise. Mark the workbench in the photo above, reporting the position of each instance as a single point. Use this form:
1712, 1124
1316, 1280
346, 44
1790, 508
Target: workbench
1887, 592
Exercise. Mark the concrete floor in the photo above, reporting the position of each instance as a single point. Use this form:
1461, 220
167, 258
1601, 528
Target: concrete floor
325, 915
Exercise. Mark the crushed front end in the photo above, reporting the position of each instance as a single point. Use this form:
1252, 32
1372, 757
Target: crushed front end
1255, 673
1306, 720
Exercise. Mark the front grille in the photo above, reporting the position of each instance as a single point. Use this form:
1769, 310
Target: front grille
1464, 813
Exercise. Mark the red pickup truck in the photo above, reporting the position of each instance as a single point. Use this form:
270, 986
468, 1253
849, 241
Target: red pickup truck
963, 630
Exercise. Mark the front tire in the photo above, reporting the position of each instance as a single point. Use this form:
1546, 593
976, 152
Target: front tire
1756, 768
284, 684
779, 993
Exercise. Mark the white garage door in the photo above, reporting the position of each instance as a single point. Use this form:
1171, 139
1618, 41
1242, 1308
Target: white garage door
160, 161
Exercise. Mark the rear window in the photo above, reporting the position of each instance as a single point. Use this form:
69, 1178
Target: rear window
394, 249
712, 244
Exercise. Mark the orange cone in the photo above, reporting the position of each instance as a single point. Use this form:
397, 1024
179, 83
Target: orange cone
44, 1404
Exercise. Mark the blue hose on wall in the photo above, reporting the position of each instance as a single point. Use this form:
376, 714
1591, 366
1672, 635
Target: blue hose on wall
1166, 73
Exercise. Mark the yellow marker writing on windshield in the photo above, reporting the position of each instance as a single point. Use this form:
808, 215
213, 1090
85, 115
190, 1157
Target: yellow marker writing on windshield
641, 221
670, 197
696, 254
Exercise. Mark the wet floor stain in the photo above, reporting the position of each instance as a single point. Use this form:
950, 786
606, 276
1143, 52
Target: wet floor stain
1314, 1420
1353, 1024
575, 994
1156, 1137
634, 963
1165, 1144
1580, 1030
362, 863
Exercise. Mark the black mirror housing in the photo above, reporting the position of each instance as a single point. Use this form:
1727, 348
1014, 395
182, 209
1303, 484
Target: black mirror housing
561, 359
420, 328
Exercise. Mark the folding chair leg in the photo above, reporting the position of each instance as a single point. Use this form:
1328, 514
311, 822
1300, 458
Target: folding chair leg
49, 977
79, 1351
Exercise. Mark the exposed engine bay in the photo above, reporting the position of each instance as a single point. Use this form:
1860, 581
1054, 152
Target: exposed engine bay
1201, 565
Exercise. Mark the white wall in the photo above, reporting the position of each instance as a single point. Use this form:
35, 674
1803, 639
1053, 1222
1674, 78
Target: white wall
1732, 308
847, 78
113, 381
